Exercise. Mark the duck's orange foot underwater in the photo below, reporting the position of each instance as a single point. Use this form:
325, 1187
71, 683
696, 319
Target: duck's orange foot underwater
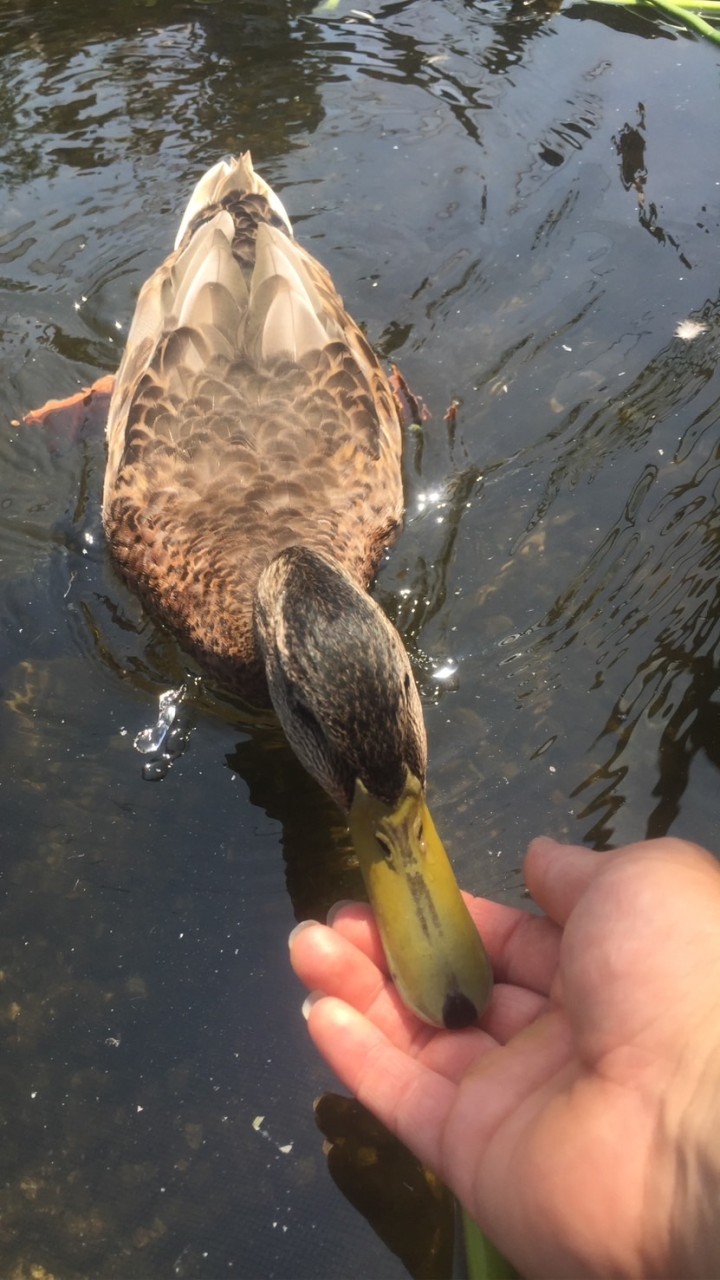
411, 409
85, 411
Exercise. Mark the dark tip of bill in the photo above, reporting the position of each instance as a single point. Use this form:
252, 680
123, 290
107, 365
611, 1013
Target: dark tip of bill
458, 1012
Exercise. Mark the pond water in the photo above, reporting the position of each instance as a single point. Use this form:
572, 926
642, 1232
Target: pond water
520, 206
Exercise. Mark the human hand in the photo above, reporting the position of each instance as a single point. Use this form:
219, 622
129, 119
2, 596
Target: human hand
579, 1125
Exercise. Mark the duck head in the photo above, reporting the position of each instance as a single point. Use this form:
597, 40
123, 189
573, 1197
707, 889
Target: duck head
341, 684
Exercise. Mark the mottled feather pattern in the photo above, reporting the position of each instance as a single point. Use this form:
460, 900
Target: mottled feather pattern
249, 415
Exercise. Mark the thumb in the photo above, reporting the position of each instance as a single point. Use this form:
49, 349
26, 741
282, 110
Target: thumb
557, 875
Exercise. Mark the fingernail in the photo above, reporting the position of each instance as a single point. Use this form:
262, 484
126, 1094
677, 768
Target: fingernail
309, 1001
336, 907
304, 924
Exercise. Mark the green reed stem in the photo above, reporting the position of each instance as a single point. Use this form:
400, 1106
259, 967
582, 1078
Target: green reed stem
683, 10
484, 1261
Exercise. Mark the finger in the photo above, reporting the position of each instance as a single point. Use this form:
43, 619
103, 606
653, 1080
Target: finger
326, 960
355, 922
453, 1053
523, 948
425, 1109
557, 875
512, 1009
404, 1093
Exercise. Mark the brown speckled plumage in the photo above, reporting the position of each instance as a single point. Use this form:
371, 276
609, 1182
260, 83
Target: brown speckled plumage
249, 415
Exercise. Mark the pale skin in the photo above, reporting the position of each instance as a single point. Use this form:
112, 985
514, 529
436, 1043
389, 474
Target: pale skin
580, 1125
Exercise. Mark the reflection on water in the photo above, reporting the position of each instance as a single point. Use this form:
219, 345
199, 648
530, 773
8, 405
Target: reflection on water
415, 1220
523, 239
644, 601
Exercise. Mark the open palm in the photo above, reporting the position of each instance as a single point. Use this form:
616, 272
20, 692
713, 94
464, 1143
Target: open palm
578, 1122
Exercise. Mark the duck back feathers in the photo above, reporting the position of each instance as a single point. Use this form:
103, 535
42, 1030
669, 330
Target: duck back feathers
249, 414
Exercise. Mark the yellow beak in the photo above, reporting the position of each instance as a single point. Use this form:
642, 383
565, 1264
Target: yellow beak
434, 951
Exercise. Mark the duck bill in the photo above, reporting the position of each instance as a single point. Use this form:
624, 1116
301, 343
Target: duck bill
434, 952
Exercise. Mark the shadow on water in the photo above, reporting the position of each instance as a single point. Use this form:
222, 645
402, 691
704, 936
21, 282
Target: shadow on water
523, 237
320, 866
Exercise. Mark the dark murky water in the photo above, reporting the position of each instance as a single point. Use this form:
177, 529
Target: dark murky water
521, 208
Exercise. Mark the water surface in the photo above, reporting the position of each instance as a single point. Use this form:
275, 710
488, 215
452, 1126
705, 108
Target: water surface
520, 207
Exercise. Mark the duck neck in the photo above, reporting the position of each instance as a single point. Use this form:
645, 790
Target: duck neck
338, 677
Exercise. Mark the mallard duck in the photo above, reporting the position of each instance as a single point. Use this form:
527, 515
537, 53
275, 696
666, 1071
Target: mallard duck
253, 483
